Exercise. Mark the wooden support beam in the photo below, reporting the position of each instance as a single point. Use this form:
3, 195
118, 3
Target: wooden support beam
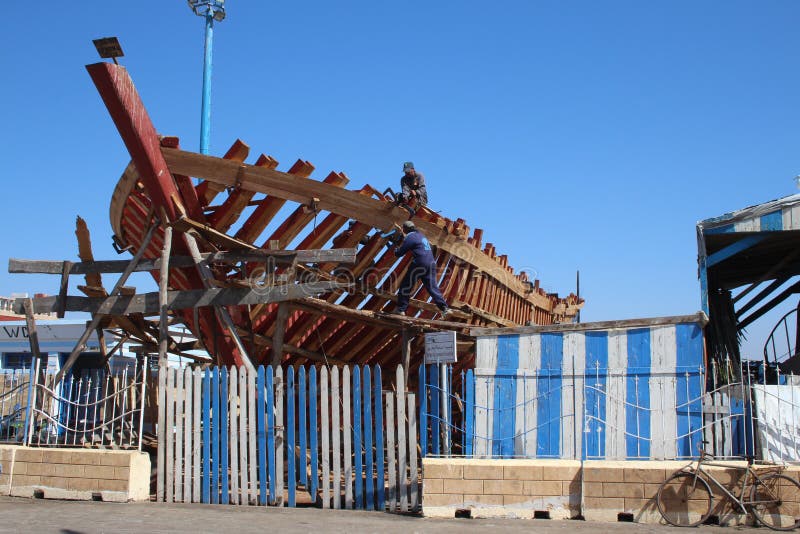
163, 289
280, 330
783, 295
148, 303
138, 133
406, 339
280, 257
62, 292
220, 311
97, 317
350, 204
292, 349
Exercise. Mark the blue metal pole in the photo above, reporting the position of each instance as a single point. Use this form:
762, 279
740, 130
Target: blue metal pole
205, 111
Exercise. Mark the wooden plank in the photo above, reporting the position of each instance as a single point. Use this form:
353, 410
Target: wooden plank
273, 485
313, 441
251, 435
170, 441
402, 443
358, 465
224, 481
369, 482
163, 290
138, 133
325, 423
380, 478
350, 204
280, 433
215, 427
97, 318
390, 450
302, 427
269, 207
348, 439
261, 411
62, 292
280, 257
197, 457
291, 463
414, 500
233, 435
179, 398
336, 442
188, 433
206, 191
162, 434
148, 303
243, 487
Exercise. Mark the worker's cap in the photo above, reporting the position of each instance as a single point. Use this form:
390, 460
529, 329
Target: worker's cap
408, 166
408, 226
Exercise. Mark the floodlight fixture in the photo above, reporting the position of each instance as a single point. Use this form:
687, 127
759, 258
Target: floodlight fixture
208, 8
108, 47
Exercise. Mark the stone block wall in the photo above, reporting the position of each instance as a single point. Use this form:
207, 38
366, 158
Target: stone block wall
561, 489
81, 474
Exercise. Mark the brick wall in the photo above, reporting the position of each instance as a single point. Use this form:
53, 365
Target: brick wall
552, 488
75, 474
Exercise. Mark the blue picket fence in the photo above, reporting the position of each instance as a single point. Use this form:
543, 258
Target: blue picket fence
226, 436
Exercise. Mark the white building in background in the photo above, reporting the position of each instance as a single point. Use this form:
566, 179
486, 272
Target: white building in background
57, 338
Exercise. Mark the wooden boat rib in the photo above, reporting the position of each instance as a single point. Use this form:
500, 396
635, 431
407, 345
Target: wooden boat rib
343, 326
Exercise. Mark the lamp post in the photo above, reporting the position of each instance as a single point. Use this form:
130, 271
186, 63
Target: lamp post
211, 10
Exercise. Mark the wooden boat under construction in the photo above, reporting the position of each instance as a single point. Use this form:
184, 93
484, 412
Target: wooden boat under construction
232, 206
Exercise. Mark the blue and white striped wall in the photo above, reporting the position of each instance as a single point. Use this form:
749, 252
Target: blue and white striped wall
622, 390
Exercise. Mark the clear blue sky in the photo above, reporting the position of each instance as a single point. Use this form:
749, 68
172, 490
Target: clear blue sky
580, 135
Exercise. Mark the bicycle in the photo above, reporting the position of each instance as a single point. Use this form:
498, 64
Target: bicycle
685, 498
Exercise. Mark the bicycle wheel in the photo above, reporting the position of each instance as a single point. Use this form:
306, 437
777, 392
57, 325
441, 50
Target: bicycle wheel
775, 502
684, 500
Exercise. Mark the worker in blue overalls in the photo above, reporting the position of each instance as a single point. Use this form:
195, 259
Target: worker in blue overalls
423, 267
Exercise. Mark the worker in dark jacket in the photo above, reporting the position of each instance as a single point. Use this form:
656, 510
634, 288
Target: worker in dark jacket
423, 267
413, 184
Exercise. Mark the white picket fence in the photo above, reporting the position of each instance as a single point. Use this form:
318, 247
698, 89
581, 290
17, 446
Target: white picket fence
277, 437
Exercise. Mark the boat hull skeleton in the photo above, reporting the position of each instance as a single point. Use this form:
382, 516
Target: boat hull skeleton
349, 324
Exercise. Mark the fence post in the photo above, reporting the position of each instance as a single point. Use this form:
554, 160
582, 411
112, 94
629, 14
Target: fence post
145, 374
379, 444
423, 411
291, 475
367, 424
312, 430
29, 410
469, 414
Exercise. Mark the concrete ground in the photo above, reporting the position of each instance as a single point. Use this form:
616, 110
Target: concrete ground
74, 517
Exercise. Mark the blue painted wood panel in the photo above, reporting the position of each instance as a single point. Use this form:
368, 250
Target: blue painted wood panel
548, 402
369, 483
273, 483
505, 395
261, 442
772, 222
291, 470
595, 398
689, 388
637, 394
312, 432
302, 427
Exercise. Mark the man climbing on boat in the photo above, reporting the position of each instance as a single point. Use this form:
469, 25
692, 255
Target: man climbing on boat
423, 267
413, 186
